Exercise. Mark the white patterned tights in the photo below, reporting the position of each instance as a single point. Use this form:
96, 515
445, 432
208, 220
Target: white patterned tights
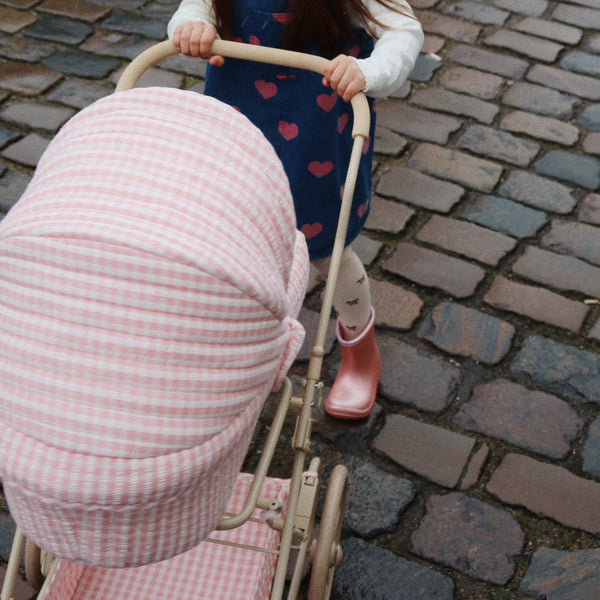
352, 298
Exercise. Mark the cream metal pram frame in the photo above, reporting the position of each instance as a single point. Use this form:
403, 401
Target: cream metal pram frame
297, 527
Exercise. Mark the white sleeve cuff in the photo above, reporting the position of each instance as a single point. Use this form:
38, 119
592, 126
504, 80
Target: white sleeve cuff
392, 60
190, 11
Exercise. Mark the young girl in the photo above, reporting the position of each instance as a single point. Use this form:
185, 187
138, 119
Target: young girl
373, 46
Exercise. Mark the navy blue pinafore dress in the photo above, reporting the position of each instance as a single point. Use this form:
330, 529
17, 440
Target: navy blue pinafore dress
308, 124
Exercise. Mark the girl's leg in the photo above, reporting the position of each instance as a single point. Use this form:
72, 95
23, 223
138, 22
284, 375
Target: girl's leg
352, 297
353, 393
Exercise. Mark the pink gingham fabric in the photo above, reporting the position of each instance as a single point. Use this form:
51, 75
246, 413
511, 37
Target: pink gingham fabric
207, 572
151, 278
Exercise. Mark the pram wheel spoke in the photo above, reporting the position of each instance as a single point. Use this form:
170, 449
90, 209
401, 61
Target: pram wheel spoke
326, 553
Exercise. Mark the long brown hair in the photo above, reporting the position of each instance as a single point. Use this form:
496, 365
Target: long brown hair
321, 22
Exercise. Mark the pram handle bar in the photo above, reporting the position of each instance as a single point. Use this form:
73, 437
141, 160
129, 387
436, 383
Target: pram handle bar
252, 52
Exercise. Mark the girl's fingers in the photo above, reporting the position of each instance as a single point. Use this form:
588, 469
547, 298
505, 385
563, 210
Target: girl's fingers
194, 45
216, 61
184, 40
352, 89
209, 35
177, 39
194, 39
330, 71
344, 76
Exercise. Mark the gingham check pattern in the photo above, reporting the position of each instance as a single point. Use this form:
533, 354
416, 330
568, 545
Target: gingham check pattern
209, 571
151, 276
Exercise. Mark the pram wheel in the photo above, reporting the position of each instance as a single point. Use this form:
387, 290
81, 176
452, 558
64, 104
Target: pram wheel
326, 553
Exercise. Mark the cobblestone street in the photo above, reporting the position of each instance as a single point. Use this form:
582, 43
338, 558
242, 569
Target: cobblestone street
478, 475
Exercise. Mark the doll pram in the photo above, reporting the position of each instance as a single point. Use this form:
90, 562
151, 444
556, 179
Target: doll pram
247, 555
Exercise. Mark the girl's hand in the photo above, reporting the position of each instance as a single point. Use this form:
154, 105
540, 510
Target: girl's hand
195, 39
344, 76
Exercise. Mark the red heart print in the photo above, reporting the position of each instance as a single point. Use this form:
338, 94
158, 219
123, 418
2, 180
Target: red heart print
362, 209
311, 230
254, 40
288, 131
342, 122
327, 101
366, 145
283, 18
320, 169
265, 89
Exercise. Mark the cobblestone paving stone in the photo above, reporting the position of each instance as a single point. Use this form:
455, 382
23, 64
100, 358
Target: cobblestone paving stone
478, 475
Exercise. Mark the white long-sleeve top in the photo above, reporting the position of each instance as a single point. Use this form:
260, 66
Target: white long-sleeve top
397, 46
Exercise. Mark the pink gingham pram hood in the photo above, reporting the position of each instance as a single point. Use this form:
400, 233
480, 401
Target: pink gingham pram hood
151, 278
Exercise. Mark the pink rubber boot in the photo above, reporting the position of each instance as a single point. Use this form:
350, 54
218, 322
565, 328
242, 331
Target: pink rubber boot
353, 393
